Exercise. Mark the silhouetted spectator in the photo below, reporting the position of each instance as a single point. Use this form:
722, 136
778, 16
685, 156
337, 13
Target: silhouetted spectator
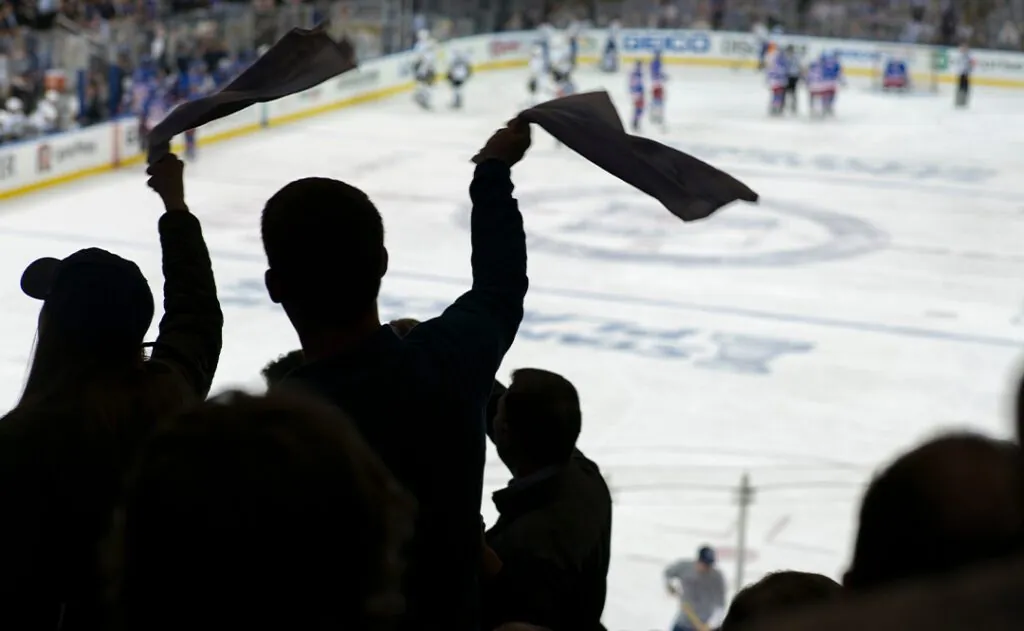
553, 535
953, 502
419, 401
700, 588
777, 593
90, 399
262, 512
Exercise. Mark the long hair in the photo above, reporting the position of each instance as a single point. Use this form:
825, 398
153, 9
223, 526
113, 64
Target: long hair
102, 382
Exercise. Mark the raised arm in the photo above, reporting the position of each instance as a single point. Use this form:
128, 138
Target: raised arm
673, 575
470, 339
189, 343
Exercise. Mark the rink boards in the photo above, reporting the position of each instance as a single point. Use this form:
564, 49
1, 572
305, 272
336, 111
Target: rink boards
32, 165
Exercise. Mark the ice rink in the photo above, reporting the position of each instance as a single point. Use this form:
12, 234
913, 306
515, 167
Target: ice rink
871, 299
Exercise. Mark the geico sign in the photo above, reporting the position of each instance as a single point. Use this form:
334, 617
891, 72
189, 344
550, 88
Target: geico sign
696, 43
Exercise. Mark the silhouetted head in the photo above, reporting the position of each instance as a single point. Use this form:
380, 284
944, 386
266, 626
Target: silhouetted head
537, 421
97, 308
324, 242
953, 502
261, 512
779, 593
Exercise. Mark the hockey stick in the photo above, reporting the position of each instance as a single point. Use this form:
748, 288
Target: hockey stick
697, 623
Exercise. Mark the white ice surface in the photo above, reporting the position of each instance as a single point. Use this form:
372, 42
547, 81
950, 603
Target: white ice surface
885, 256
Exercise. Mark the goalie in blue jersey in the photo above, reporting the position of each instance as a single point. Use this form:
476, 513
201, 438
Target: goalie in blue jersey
895, 75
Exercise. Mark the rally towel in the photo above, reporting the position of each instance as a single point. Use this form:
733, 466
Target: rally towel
302, 59
588, 124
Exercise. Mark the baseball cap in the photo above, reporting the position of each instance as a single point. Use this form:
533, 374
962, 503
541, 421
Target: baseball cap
98, 295
706, 555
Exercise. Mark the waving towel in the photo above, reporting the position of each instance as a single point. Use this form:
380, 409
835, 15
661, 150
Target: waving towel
302, 59
588, 124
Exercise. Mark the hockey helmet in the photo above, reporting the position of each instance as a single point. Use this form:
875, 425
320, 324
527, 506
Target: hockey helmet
14, 104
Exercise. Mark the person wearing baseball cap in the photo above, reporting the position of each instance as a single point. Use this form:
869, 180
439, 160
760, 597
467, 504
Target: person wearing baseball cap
90, 400
95, 298
700, 588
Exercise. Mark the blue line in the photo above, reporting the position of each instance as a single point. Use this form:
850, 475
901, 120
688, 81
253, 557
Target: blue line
596, 296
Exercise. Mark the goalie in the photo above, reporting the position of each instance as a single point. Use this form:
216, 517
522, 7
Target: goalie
895, 75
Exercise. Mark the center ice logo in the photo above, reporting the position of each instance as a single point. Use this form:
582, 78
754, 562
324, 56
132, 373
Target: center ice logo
617, 224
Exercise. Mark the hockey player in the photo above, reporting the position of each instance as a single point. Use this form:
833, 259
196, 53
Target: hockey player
636, 93
832, 78
197, 83
545, 32
816, 88
143, 82
778, 80
157, 103
572, 32
424, 68
963, 66
658, 79
538, 70
561, 72
458, 73
794, 71
610, 56
895, 75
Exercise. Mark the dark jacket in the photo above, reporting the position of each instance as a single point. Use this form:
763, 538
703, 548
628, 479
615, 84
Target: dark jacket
419, 401
61, 470
553, 537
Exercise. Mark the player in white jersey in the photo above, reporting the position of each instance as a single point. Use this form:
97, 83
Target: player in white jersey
424, 67
561, 73
545, 32
538, 72
963, 66
459, 71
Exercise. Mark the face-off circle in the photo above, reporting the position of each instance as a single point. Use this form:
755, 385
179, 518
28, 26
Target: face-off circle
619, 224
